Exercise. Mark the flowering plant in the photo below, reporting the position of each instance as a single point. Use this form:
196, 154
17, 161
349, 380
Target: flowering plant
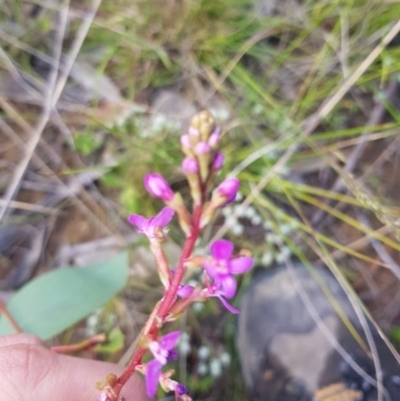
201, 164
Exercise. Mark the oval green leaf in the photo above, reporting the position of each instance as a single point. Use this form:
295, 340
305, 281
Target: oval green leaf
51, 303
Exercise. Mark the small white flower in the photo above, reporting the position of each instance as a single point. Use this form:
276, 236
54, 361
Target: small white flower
239, 196
231, 220
215, 368
256, 220
270, 238
198, 307
237, 229
184, 343
227, 211
202, 369
267, 225
225, 359
267, 258
203, 352
285, 229
249, 212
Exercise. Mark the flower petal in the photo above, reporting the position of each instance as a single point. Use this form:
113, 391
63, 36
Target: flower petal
139, 221
162, 218
211, 269
153, 372
227, 306
170, 340
185, 291
222, 249
240, 265
228, 285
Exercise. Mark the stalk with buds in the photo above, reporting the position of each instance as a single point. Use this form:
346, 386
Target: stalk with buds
200, 165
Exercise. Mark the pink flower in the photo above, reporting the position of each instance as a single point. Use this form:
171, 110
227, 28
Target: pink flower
228, 189
157, 186
222, 267
150, 226
163, 352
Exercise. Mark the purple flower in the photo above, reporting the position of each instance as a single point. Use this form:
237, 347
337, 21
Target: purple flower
185, 291
228, 306
157, 186
150, 226
222, 267
181, 390
218, 161
190, 165
162, 351
228, 189
185, 141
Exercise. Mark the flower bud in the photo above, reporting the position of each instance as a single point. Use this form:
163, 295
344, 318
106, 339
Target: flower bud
214, 140
157, 186
195, 121
205, 117
193, 132
202, 124
202, 151
190, 166
205, 130
228, 189
202, 148
185, 141
186, 145
218, 161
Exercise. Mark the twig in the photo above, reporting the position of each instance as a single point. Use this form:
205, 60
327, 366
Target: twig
380, 249
48, 105
9, 317
85, 344
54, 90
67, 190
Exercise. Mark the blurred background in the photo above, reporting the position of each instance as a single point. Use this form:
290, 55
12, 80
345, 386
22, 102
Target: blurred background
94, 94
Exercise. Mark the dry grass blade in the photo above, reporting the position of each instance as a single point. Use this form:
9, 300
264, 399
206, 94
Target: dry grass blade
312, 122
54, 89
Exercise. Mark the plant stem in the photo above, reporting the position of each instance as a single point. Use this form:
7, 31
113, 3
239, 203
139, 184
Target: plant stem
166, 302
90, 342
9, 317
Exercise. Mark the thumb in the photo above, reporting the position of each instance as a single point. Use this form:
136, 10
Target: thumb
31, 372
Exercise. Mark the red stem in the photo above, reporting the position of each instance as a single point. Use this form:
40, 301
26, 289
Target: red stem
88, 343
166, 302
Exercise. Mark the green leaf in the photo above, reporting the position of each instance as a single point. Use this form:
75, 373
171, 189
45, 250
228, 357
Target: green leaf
48, 305
395, 334
115, 343
86, 143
